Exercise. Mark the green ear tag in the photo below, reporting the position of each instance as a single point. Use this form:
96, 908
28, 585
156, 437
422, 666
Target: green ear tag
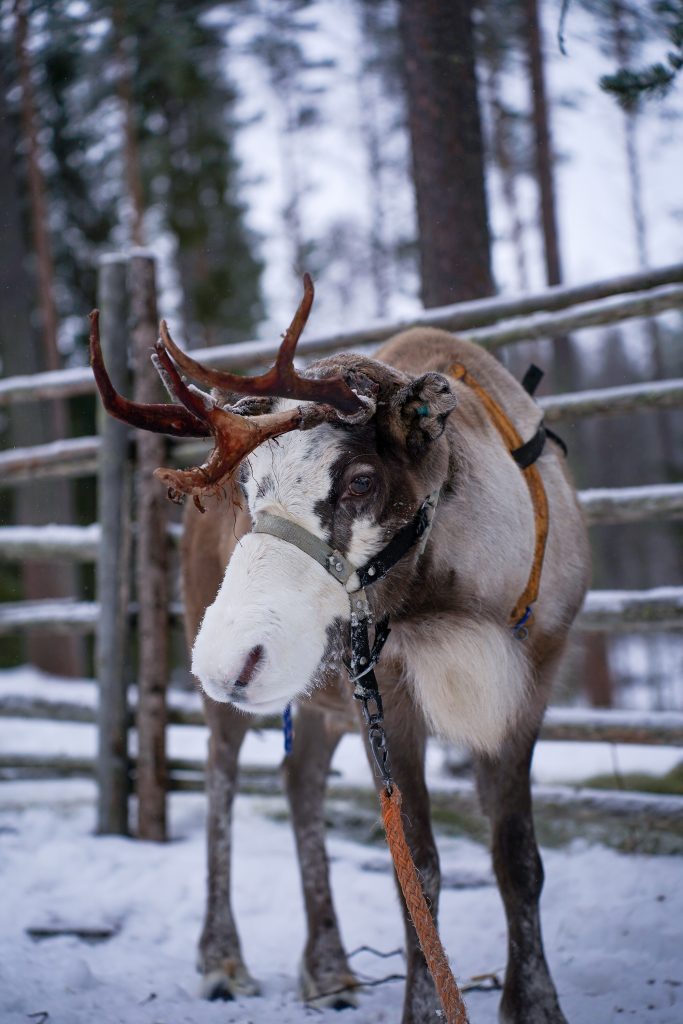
422, 410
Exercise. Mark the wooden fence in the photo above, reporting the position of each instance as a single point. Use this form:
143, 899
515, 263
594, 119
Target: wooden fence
131, 551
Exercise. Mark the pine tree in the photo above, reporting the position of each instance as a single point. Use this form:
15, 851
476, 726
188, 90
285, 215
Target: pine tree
180, 103
655, 80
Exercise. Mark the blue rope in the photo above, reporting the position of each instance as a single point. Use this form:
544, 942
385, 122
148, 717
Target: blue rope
288, 728
519, 628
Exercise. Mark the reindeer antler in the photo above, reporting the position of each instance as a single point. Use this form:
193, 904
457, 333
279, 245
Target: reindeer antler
198, 415
281, 380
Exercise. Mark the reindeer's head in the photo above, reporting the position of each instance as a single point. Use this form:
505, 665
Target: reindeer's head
351, 483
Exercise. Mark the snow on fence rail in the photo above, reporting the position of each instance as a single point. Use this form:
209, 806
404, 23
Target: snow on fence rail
490, 322
615, 401
602, 506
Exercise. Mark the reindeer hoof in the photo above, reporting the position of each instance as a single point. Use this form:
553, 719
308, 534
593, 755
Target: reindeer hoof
228, 982
332, 991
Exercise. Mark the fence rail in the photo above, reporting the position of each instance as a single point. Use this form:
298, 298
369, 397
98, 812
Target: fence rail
657, 394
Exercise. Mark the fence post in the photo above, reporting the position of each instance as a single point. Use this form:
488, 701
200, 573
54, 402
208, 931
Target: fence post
113, 562
151, 568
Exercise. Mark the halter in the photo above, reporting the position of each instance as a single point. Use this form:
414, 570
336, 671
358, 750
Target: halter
355, 579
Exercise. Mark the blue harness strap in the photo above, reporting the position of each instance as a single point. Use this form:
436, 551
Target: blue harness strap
288, 728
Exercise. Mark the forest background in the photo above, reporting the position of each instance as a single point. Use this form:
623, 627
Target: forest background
246, 141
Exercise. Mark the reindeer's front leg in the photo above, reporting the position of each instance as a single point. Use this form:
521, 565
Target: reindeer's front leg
220, 956
529, 995
407, 740
324, 967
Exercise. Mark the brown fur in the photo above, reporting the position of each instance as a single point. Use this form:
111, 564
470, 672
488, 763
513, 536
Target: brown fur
485, 474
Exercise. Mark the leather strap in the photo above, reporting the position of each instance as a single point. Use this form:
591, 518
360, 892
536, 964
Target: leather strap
534, 482
417, 530
532, 450
330, 559
532, 378
353, 578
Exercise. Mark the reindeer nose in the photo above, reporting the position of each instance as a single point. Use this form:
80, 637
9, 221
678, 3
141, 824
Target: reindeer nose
251, 663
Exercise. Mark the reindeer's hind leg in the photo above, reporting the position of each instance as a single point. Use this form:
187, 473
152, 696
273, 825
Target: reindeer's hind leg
326, 979
224, 974
529, 995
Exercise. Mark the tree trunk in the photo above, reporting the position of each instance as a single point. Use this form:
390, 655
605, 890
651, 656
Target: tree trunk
39, 218
33, 423
375, 157
447, 150
131, 156
113, 563
543, 150
623, 54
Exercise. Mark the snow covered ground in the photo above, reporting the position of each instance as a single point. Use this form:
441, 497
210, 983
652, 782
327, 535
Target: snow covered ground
612, 921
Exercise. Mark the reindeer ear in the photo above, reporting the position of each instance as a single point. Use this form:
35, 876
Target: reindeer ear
422, 408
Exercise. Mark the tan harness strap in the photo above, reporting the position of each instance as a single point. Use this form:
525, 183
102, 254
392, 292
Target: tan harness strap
534, 482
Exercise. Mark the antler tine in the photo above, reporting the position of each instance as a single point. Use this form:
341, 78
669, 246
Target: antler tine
157, 417
192, 399
281, 380
284, 360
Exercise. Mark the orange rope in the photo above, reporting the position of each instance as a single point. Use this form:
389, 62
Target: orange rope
430, 943
534, 482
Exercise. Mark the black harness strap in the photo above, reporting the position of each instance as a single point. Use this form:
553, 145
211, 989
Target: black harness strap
530, 381
527, 453
399, 545
532, 378
557, 439
366, 687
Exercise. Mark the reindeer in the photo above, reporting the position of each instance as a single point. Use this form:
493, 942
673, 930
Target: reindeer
358, 489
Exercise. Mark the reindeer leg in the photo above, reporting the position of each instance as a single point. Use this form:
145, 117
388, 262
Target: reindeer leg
324, 967
224, 974
529, 995
407, 741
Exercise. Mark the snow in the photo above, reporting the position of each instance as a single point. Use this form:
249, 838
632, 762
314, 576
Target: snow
628, 494
616, 602
610, 920
78, 379
83, 540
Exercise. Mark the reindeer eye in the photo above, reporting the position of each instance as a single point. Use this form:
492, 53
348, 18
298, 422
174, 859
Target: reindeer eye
360, 485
